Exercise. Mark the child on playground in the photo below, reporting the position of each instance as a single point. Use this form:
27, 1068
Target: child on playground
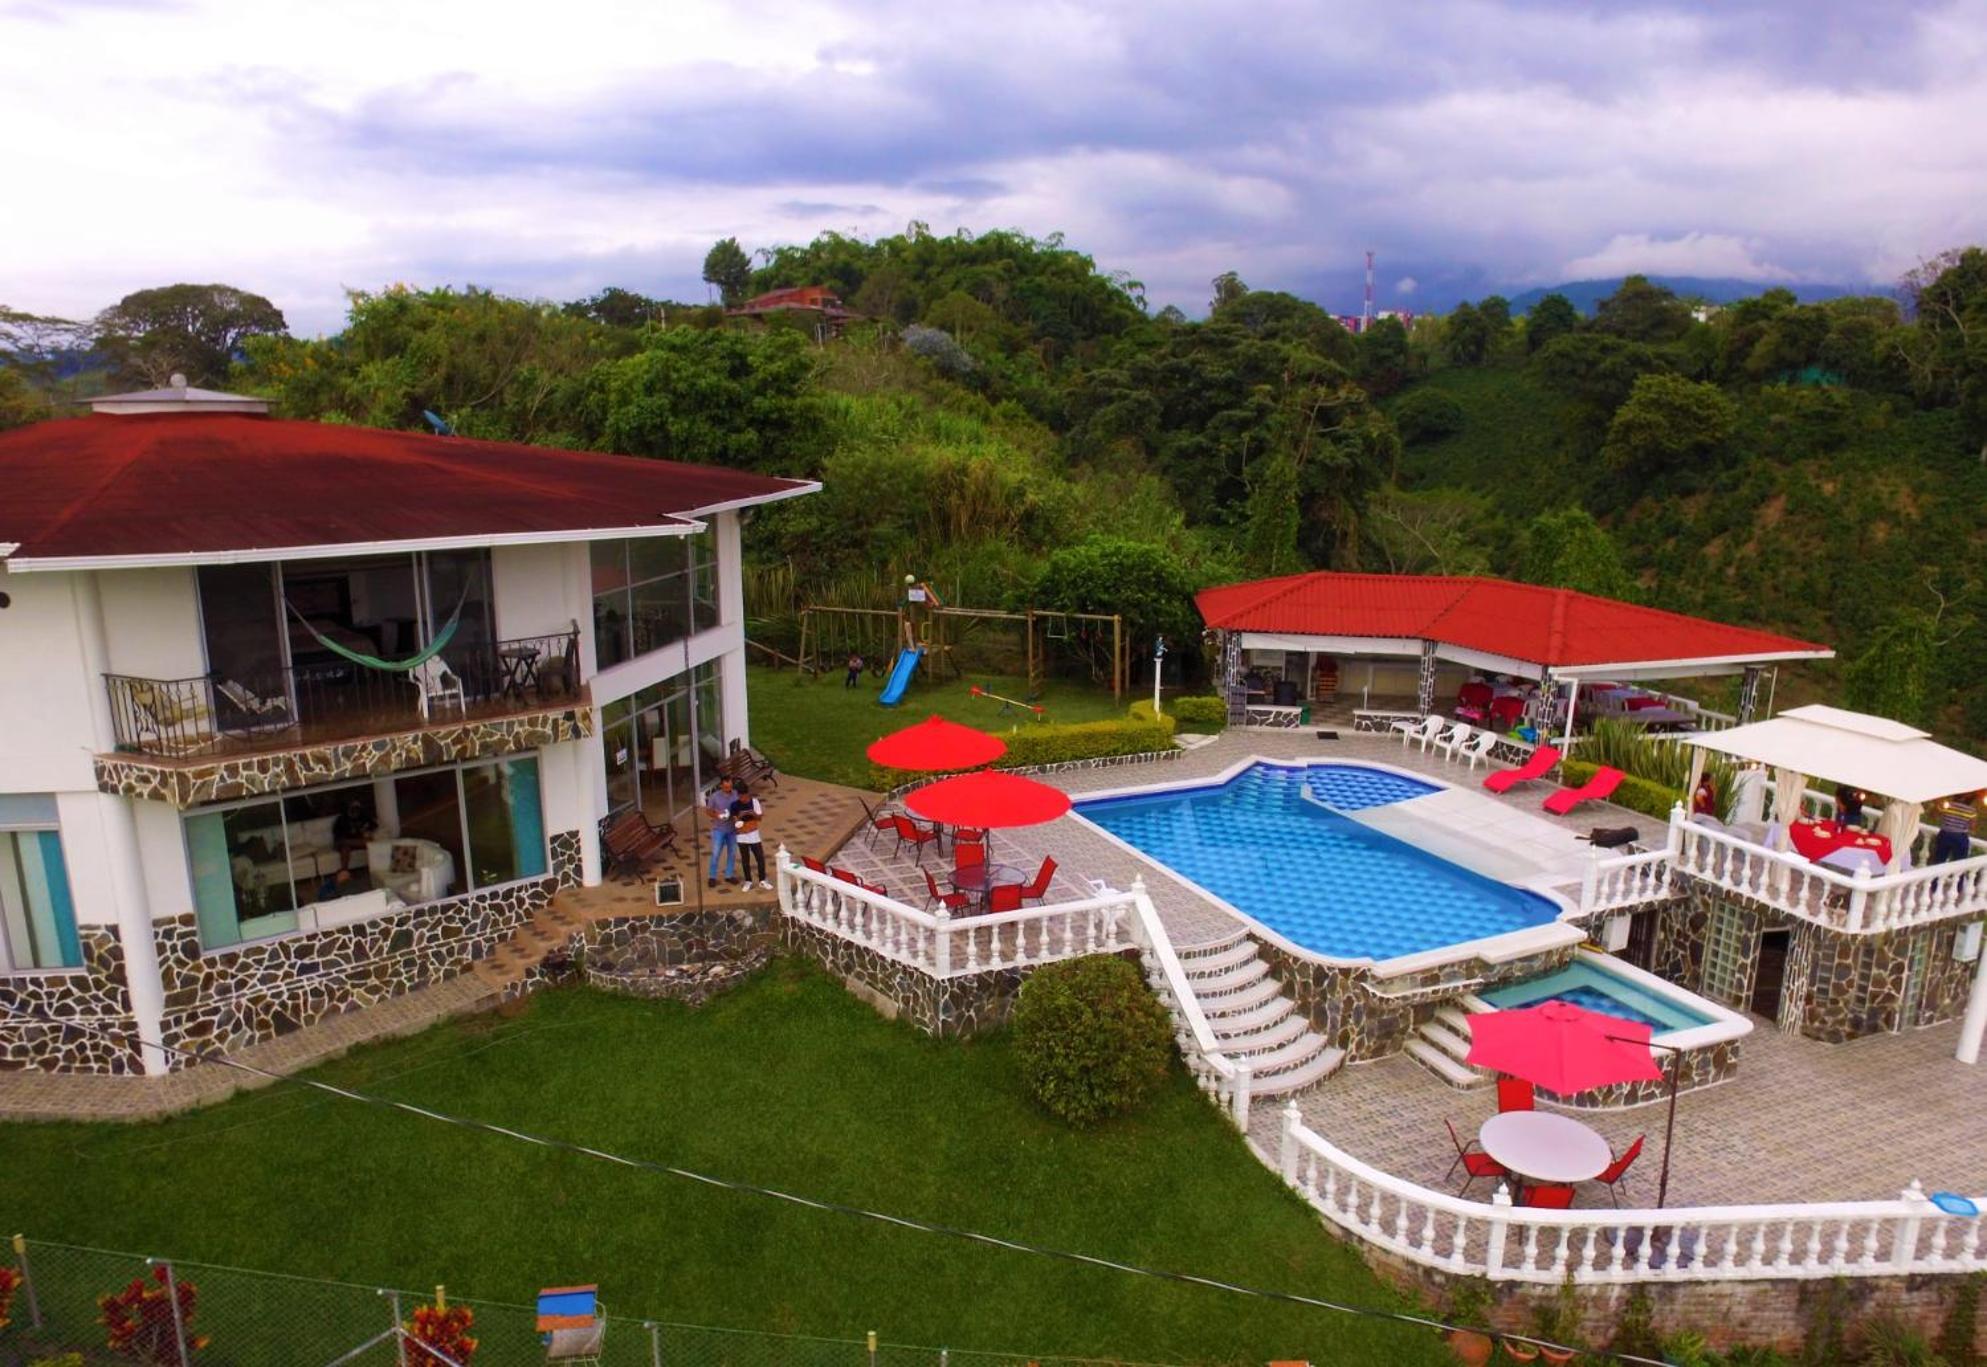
746, 814
855, 670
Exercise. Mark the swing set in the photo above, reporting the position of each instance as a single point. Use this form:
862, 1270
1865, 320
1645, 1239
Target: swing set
829, 635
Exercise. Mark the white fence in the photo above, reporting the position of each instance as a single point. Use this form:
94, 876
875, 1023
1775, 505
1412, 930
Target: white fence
942, 945
1626, 880
1706, 1243
1863, 902
1225, 1081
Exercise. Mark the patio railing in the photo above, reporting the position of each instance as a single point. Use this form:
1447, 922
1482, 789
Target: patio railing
1626, 880
1858, 903
1705, 1243
1226, 1081
942, 945
223, 713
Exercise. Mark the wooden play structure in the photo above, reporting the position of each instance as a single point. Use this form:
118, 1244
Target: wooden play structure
828, 635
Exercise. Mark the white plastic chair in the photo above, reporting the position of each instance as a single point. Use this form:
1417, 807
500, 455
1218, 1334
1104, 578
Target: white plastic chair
1450, 742
438, 683
1478, 750
1423, 730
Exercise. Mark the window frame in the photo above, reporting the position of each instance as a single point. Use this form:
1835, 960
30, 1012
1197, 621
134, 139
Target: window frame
9, 967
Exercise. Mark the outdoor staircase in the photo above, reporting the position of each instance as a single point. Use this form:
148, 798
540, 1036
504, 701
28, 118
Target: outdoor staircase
1442, 1042
550, 928
1252, 1018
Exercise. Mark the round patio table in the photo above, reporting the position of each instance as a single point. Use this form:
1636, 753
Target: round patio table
979, 877
1549, 1147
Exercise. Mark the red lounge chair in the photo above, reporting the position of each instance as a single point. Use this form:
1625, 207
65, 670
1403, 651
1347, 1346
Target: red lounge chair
1003, 897
1546, 1196
1533, 769
918, 836
1612, 1175
1036, 888
1596, 789
1470, 1160
951, 901
1513, 1094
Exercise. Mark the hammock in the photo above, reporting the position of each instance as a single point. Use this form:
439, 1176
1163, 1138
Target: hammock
408, 665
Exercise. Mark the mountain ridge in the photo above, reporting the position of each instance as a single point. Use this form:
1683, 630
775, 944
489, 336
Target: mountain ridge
1586, 294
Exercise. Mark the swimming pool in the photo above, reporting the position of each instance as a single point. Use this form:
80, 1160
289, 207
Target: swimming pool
1268, 843
1596, 984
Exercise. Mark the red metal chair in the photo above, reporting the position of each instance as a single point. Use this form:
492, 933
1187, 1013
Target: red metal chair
1471, 1160
1514, 1094
845, 876
951, 901
876, 822
916, 835
1612, 1175
812, 865
1546, 1196
1036, 888
1003, 897
968, 856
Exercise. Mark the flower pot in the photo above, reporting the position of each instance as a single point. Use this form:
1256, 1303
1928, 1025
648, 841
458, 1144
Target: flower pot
1471, 1347
1558, 1354
1520, 1352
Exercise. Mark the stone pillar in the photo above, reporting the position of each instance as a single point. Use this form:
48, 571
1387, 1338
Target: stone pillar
1424, 692
1749, 694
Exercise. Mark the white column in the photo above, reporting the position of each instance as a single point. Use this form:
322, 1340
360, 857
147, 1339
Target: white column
120, 843
1572, 700
589, 781
1974, 1026
731, 688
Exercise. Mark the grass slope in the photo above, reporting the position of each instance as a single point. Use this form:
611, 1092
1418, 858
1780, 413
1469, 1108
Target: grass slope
818, 729
787, 1081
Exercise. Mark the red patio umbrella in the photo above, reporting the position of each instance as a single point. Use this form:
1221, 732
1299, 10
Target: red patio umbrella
988, 800
936, 745
1562, 1047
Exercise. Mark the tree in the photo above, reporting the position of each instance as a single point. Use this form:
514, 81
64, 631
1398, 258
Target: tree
1552, 317
1427, 415
193, 330
1567, 549
729, 269
1947, 352
1594, 371
1277, 316
1147, 585
1434, 531
722, 397
20, 402
1667, 424
1228, 287
1269, 544
618, 308
1496, 311
1893, 674
1466, 336
1643, 311
1382, 357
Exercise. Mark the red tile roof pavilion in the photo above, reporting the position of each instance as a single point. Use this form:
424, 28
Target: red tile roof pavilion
1561, 630
190, 487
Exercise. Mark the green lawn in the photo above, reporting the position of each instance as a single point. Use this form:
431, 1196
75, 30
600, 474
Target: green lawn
787, 1081
818, 729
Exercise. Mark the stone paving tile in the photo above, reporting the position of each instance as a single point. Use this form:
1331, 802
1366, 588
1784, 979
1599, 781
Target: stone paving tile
1802, 1121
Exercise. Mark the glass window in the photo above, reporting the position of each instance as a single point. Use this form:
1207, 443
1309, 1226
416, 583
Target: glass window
37, 916
506, 826
710, 717
244, 873
651, 592
659, 613
430, 819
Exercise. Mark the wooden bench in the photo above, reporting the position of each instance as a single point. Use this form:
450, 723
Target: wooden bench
629, 840
745, 766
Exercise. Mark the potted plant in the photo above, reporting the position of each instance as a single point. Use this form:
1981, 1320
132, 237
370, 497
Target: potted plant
1558, 1322
1468, 1314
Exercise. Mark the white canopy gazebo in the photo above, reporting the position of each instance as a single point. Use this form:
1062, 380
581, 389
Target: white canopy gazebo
1900, 762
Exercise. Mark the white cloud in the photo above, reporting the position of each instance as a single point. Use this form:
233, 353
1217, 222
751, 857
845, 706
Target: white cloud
1406, 285
1711, 254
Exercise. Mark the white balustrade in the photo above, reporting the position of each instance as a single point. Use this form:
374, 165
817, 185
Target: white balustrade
1704, 1243
1225, 1081
943, 945
1625, 880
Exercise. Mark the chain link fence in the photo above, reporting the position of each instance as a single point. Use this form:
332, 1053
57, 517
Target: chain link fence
190, 1314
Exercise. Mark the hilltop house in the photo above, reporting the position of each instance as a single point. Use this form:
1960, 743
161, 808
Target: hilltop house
296, 717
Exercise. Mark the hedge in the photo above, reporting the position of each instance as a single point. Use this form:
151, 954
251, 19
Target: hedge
1636, 794
1059, 743
1203, 714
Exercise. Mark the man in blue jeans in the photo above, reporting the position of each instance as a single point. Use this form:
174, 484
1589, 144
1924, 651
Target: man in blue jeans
724, 836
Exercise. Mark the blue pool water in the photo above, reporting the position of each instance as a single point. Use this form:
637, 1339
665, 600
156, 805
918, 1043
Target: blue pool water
1319, 879
1589, 985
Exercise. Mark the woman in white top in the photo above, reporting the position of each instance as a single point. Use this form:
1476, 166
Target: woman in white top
745, 817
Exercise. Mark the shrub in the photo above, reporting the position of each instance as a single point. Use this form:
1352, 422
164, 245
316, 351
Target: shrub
1060, 743
1636, 794
1955, 1343
1426, 414
1092, 1040
1203, 714
10, 1282
138, 1321
444, 1329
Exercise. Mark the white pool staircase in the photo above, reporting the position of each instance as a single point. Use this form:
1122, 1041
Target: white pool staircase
1442, 1042
1253, 1018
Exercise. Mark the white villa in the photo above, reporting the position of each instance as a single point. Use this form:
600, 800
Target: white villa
269, 688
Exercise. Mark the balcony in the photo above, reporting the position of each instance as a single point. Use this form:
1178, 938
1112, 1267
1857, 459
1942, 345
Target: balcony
219, 717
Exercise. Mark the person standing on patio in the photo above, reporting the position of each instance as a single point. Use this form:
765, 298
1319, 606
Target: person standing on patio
724, 835
745, 817
1957, 815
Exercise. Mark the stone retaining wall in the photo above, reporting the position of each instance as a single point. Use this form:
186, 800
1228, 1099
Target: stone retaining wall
671, 939
1698, 1067
691, 983
79, 1003
966, 1004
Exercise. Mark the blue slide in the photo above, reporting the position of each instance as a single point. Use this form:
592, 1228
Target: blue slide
900, 677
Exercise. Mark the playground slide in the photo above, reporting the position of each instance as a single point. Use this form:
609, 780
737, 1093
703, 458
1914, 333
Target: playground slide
900, 677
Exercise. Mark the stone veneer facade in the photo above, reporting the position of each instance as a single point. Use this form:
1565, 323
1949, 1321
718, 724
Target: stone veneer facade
1838, 986
678, 939
86, 1025
964, 1004
193, 782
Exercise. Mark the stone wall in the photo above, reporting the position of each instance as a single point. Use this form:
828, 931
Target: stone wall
568, 866
232, 998
670, 939
1696, 1068
1769, 1313
78, 1004
193, 782
966, 1004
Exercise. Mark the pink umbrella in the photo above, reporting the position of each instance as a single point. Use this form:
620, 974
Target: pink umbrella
1562, 1047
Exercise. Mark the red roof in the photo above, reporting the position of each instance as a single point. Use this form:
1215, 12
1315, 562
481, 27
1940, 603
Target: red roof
1530, 622
187, 485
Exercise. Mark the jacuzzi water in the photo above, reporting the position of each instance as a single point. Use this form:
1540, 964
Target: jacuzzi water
1319, 879
1592, 986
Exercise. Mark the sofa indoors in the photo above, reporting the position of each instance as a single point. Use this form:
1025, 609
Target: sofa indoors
413, 870
313, 854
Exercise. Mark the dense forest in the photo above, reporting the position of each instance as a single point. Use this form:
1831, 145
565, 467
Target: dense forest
1014, 424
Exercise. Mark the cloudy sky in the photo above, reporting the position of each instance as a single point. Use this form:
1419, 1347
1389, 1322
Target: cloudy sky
300, 149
